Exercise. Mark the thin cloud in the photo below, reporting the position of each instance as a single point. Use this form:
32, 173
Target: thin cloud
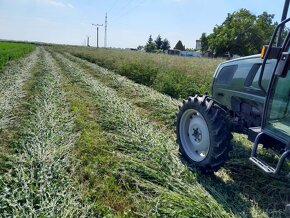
57, 4
180, 1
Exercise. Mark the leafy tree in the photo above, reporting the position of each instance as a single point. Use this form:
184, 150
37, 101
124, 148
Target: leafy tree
266, 27
140, 47
165, 45
158, 42
179, 46
150, 46
204, 42
241, 33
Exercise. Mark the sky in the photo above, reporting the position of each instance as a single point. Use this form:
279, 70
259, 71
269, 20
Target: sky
130, 22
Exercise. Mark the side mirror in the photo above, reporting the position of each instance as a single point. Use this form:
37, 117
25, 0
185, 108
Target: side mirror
283, 65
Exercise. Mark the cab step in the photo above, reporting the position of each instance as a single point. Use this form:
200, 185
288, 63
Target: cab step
262, 165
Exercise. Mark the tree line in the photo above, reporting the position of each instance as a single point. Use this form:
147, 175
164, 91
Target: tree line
160, 45
157, 45
242, 33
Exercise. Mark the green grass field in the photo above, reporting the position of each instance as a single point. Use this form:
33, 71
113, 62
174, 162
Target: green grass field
79, 140
13, 50
175, 76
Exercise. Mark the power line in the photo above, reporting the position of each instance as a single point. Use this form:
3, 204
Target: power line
122, 9
125, 10
129, 10
113, 5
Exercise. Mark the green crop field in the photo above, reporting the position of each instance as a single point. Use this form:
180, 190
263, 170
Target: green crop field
78, 138
13, 50
175, 76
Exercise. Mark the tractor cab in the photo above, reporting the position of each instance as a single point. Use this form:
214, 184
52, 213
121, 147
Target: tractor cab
275, 126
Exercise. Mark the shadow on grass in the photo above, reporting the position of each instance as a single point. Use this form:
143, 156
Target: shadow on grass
244, 190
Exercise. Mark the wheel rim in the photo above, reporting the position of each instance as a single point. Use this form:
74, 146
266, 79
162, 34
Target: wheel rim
194, 135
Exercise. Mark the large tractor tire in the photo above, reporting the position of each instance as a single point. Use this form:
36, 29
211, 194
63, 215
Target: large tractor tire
203, 133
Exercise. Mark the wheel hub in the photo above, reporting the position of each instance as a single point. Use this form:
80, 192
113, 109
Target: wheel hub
197, 135
194, 135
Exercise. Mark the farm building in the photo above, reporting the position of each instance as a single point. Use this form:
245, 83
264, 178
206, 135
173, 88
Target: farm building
184, 53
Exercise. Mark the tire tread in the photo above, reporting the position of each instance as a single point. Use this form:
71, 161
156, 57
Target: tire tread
220, 135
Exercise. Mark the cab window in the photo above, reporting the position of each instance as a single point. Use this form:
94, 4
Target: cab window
226, 74
269, 68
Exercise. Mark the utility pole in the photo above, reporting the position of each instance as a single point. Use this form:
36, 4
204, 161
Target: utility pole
97, 33
88, 41
106, 24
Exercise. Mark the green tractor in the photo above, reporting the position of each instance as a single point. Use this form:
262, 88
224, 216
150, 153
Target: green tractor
249, 95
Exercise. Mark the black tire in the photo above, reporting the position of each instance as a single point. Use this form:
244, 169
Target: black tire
287, 209
203, 133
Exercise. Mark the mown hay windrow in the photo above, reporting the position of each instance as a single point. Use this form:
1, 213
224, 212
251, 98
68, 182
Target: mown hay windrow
11, 83
160, 106
238, 186
39, 183
150, 166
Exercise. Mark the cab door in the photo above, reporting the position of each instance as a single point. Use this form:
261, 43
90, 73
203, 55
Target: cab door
277, 115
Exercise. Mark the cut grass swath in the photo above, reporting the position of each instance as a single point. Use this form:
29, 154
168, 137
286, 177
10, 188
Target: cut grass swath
39, 183
158, 106
12, 82
149, 167
231, 186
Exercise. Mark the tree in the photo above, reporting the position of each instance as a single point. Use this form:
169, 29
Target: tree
140, 47
241, 33
204, 42
179, 46
158, 42
266, 27
165, 45
150, 46
236, 35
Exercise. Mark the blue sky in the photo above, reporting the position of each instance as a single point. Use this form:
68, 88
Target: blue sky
130, 22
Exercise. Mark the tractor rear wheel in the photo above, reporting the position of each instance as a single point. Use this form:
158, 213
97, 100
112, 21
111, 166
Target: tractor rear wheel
203, 133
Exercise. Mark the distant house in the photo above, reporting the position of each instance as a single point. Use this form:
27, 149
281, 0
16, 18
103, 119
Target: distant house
184, 53
198, 44
190, 54
173, 52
